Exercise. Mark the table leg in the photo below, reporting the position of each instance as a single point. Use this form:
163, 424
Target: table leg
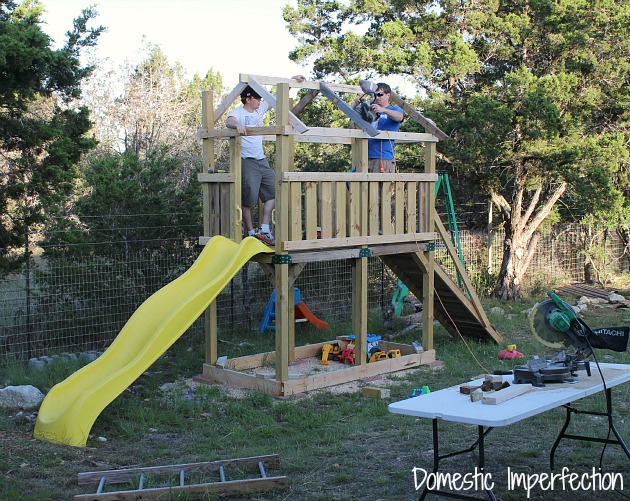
437, 458
618, 440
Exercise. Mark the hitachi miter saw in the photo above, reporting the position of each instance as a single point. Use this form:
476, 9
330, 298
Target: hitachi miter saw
554, 323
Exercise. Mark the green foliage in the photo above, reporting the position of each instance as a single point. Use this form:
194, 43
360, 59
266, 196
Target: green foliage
42, 135
534, 95
116, 245
146, 193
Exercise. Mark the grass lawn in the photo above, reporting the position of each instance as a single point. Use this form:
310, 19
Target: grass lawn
332, 445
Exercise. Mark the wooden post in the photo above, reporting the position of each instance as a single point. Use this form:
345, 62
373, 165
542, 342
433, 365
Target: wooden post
428, 294
207, 144
360, 265
284, 296
210, 316
212, 349
236, 212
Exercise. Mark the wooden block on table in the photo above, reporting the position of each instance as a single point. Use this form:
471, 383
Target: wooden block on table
468, 388
498, 397
373, 392
487, 386
476, 395
493, 378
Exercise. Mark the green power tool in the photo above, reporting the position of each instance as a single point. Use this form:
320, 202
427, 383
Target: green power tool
554, 323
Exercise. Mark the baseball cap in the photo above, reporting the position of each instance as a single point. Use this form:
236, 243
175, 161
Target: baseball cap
249, 92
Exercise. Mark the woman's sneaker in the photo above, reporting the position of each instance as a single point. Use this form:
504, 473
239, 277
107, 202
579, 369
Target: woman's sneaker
266, 237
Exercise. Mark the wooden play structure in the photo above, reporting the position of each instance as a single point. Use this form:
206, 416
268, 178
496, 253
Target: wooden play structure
345, 208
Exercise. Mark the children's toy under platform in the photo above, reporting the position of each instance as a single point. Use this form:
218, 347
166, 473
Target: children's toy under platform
257, 371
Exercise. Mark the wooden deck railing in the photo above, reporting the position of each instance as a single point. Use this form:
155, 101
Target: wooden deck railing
337, 210
334, 210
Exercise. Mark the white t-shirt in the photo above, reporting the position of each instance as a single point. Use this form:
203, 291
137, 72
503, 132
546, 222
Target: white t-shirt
251, 145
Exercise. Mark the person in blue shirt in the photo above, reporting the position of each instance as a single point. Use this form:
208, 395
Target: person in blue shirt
381, 157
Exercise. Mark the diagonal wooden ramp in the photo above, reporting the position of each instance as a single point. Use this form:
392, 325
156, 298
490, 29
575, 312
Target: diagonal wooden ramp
458, 311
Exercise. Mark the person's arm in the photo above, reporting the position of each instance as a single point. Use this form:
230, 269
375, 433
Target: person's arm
232, 123
395, 115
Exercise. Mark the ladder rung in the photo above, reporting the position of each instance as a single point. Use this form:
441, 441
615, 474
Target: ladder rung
261, 467
141, 484
181, 477
222, 473
101, 484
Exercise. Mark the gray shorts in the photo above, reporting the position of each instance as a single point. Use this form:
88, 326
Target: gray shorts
258, 180
374, 165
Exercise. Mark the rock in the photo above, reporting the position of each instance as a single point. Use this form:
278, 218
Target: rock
88, 357
497, 310
613, 297
36, 364
23, 397
585, 300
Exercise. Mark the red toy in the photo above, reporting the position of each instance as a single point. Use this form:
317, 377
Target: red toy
347, 356
510, 353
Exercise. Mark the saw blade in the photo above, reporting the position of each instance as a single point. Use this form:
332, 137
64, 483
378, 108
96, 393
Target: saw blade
542, 329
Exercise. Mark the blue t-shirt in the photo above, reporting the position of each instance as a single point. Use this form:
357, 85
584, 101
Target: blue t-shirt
383, 148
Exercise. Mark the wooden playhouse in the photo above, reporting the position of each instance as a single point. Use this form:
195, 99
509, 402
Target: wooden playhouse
331, 216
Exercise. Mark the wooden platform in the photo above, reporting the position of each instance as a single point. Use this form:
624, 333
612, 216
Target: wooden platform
240, 372
579, 290
458, 313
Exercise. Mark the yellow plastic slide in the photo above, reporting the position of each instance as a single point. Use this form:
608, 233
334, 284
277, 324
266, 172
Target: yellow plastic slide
69, 410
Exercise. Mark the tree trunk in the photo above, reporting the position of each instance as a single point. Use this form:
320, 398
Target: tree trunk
521, 235
518, 250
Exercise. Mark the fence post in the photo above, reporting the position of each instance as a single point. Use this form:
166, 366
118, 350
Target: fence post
490, 237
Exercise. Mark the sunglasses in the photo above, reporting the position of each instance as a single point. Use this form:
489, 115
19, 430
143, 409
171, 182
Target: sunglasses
379, 94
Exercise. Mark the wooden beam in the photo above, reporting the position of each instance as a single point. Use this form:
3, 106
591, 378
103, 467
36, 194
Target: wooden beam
271, 130
427, 123
331, 243
428, 279
498, 397
347, 110
318, 134
305, 101
474, 299
221, 177
271, 99
328, 134
227, 102
307, 84
284, 294
358, 176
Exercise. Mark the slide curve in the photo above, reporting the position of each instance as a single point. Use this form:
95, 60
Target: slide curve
302, 311
70, 408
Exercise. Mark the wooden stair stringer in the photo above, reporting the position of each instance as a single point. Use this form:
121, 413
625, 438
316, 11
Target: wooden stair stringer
452, 308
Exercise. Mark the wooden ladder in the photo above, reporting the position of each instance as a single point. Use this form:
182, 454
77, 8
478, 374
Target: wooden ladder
223, 487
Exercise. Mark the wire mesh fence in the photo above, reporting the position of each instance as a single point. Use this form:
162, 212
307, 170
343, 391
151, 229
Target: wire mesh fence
69, 302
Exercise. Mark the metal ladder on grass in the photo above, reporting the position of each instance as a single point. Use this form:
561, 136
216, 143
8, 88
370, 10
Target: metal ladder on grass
223, 487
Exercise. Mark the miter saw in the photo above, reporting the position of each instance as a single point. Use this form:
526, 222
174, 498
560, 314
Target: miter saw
554, 323
365, 109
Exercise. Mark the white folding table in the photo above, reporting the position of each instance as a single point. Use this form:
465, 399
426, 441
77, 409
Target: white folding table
451, 405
